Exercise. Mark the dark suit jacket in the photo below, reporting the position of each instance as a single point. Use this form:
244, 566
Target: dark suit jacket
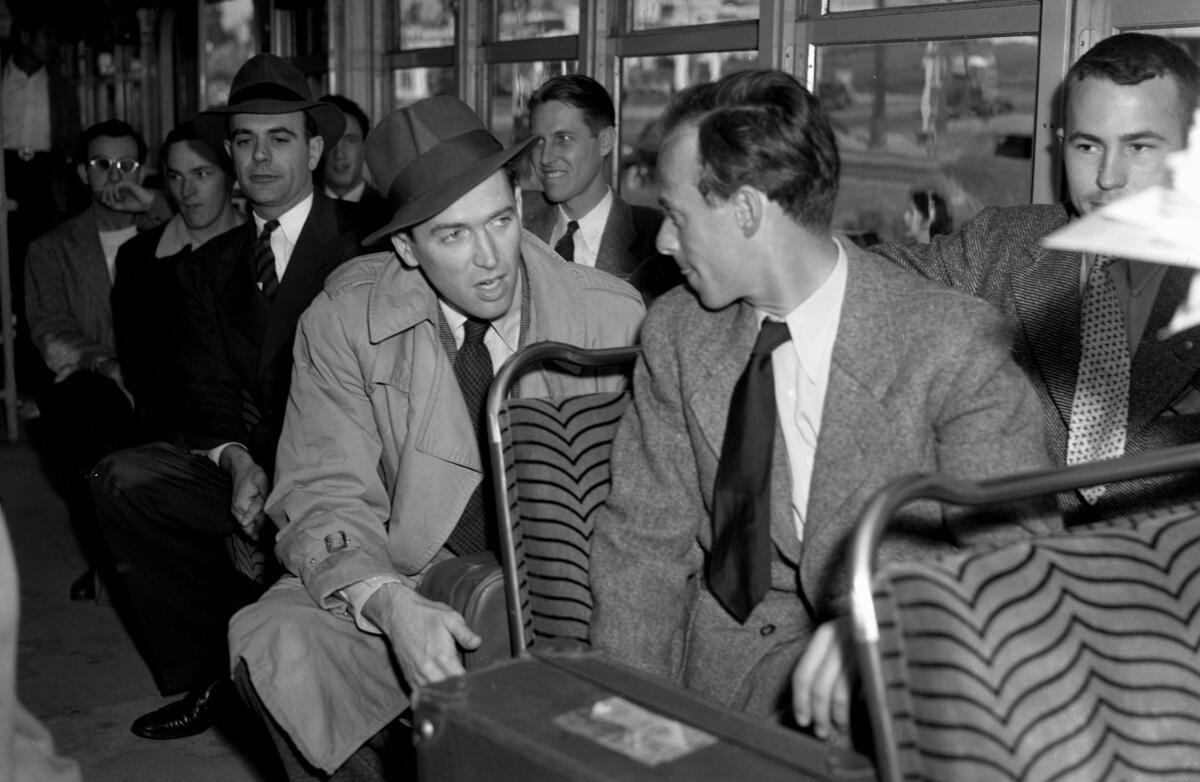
238, 345
998, 256
626, 246
920, 380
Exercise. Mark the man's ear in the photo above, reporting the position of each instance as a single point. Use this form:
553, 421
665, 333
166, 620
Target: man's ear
316, 145
608, 140
747, 203
520, 204
402, 242
82, 169
228, 148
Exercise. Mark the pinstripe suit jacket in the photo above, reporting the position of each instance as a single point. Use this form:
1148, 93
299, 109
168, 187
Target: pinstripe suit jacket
919, 378
998, 256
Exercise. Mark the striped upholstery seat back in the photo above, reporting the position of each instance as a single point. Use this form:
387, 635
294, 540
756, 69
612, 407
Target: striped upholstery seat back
1072, 657
556, 455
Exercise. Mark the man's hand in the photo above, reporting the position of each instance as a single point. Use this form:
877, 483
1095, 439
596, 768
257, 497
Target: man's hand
425, 635
821, 681
127, 196
250, 488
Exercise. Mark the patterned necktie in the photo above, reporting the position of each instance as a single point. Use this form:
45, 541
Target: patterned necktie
566, 245
264, 260
473, 369
739, 568
1100, 410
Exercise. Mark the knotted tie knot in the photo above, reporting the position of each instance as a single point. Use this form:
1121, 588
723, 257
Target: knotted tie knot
565, 246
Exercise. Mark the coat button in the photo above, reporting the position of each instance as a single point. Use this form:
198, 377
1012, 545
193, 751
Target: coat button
766, 630
1188, 344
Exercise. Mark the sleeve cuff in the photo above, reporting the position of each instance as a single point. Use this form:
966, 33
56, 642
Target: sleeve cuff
357, 595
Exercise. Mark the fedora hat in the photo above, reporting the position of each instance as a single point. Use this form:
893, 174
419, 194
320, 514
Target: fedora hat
427, 155
269, 84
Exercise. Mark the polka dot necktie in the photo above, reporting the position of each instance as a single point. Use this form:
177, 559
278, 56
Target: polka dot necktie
1100, 410
566, 245
473, 370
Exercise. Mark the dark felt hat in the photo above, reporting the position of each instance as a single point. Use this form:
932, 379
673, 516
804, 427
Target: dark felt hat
269, 84
427, 155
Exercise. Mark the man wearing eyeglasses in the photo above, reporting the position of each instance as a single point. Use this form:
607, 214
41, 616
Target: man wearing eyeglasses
68, 283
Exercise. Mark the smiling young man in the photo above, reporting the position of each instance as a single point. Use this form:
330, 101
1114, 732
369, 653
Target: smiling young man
380, 466
166, 509
1086, 328
577, 213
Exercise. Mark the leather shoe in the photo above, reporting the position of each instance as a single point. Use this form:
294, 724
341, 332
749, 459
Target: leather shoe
84, 587
190, 716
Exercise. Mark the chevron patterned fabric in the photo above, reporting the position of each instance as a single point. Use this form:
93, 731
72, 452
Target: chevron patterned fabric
557, 467
1072, 657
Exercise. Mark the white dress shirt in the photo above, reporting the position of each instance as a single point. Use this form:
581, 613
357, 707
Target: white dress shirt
801, 369
591, 230
284, 238
26, 108
353, 195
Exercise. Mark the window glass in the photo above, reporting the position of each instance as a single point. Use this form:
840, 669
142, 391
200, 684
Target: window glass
518, 19
654, 14
836, 6
229, 40
955, 118
413, 84
425, 23
647, 84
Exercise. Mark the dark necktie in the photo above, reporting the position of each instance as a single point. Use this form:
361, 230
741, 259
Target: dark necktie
473, 369
566, 245
264, 260
739, 568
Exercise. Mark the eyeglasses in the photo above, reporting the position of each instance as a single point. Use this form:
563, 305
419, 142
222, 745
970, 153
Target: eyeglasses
125, 165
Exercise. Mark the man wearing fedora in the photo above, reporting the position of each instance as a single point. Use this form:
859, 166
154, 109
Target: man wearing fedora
380, 471
168, 511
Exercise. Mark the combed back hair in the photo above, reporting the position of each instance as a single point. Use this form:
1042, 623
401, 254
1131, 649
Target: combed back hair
1132, 58
580, 92
764, 129
349, 108
186, 131
931, 206
113, 128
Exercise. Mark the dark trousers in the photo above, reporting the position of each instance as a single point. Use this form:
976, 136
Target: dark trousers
388, 756
84, 417
164, 513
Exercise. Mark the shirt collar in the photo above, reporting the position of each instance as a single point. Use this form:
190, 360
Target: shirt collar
354, 194
507, 327
1137, 274
591, 225
816, 318
291, 222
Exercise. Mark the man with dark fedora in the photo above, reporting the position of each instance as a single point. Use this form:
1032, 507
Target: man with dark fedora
169, 511
379, 469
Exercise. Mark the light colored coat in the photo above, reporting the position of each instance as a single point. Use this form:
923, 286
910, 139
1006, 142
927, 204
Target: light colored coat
377, 447
920, 379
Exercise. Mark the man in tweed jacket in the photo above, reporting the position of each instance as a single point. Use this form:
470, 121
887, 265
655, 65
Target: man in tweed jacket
884, 375
1129, 103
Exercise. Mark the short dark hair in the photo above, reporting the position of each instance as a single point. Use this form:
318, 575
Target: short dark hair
1131, 58
762, 128
30, 20
932, 206
113, 128
350, 108
186, 131
580, 92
